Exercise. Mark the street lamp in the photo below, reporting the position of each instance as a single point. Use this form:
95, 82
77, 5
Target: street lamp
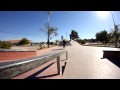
115, 28
113, 19
66, 35
48, 12
30, 40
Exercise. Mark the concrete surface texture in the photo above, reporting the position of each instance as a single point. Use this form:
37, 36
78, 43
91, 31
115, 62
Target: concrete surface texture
45, 71
6, 55
85, 62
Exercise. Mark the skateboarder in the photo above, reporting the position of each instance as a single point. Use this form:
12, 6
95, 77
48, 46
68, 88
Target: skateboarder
64, 43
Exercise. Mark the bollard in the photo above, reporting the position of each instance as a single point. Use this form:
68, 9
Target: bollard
58, 64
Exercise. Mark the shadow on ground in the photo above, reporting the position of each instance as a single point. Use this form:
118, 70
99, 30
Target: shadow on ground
33, 76
115, 61
63, 68
45, 76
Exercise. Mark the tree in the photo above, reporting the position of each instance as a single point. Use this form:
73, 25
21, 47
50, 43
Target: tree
86, 40
24, 41
103, 36
74, 35
92, 40
49, 31
5, 44
115, 34
81, 41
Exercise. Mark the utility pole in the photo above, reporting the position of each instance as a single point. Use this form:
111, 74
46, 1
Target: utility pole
62, 38
48, 42
115, 28
30, 40
113, 19
66, 35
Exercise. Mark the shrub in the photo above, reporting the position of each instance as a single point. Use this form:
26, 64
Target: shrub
24, 41
42, 46
51, 43
78, 40
81, 41
5, 44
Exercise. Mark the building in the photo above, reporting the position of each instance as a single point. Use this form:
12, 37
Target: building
16, 42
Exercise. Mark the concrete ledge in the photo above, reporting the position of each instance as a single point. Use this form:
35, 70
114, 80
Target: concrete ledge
5, 55
16, 54
115, 54
15, 50
11, 70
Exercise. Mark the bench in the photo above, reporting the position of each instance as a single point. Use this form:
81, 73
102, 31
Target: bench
115, 54
12, 69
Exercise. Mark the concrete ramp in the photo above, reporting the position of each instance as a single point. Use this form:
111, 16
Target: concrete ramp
74, 43
86, 62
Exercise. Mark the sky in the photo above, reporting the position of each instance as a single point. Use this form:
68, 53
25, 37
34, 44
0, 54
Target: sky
27, 24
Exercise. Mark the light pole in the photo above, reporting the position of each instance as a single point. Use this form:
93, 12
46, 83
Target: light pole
115, 28
30, 40
48, 12
66, 35
113, 19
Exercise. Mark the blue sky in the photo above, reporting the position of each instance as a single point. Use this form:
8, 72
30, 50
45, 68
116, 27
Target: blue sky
86, 23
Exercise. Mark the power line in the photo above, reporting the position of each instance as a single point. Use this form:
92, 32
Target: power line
20, 33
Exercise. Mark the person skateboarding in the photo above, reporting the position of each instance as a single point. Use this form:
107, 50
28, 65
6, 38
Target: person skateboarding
64, 43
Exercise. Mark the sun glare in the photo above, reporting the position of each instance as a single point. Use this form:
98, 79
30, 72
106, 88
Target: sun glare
102, 14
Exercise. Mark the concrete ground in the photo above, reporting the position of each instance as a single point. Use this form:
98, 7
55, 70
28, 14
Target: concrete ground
16, 56
85, 62
45, 71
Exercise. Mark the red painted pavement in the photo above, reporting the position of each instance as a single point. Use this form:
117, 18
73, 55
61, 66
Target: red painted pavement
48, 73
12, 56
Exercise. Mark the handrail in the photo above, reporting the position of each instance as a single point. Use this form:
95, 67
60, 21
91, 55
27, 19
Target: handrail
14, 69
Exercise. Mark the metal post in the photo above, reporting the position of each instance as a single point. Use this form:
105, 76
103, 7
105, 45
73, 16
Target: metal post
114, 28
30, 40
58, 64
113, 19
66, 55
48, 29
66, 35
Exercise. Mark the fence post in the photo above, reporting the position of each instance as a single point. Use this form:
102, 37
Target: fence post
58, 64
